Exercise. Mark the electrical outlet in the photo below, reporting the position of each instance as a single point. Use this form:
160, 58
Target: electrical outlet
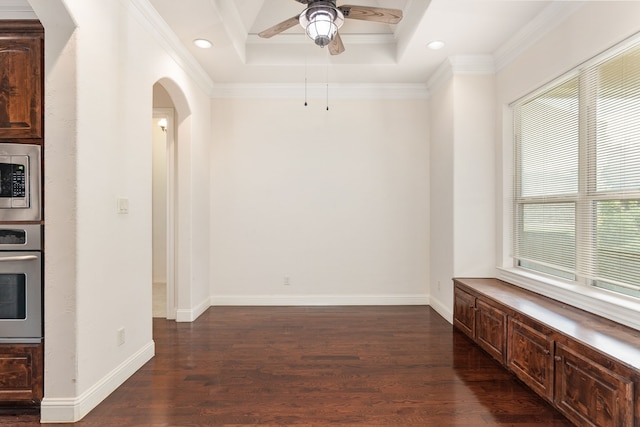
120, 336
287, 281
438, 285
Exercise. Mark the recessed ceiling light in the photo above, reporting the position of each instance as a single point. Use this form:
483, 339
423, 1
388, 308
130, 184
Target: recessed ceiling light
202, 43
435, 44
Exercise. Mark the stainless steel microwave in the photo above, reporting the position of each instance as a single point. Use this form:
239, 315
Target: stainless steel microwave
20, 182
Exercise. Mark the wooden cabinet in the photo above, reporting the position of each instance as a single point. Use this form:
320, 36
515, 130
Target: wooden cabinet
482, 322
491, 330
464, 312
585, 366
21, 374
21, 121
590, 394
530, 357
21, 80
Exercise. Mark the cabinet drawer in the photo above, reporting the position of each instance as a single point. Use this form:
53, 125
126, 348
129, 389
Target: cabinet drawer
530, 357
589, 394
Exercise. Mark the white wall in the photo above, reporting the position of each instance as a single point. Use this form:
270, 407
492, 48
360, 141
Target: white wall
441, 203
102, 62
474, 177
335, 200
463, 187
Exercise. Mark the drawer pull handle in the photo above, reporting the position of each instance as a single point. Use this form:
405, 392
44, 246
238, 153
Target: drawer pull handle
19, 258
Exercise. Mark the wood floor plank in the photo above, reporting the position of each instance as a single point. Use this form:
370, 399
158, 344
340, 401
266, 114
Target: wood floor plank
315, 366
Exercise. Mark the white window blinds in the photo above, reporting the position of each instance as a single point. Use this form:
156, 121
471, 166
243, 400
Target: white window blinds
577, 183
547, 185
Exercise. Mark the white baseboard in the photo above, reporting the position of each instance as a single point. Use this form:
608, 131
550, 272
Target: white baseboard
274, 300
442, 310
189, 315
72, 409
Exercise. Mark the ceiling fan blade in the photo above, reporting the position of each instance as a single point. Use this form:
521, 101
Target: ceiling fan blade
278, 28
336, 47
376, 14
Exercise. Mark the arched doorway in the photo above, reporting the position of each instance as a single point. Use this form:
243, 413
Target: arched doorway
163, 224
165, 130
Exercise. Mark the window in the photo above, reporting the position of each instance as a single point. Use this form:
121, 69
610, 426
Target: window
577, 176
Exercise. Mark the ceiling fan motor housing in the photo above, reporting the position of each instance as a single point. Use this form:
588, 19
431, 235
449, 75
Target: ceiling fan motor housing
321, 20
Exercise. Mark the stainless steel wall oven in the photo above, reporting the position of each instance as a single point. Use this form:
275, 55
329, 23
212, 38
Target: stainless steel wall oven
21, 283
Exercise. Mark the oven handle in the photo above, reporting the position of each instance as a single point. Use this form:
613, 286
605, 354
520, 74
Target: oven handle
18, 258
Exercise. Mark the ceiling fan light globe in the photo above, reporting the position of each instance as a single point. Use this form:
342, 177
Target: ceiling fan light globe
322, 32
321, 21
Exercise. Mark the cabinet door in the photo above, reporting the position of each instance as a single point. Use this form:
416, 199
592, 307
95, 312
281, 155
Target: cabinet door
491, 330
21, 373
589, 394
20, 86
530, 357
464, 312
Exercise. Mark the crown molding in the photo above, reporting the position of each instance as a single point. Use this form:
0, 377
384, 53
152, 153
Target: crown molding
543, 23
158, 28
319, 91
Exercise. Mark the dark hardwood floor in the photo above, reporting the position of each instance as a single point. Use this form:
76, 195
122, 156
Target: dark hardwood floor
392, 366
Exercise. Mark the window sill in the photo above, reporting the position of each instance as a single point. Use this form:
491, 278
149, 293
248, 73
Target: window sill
619, 308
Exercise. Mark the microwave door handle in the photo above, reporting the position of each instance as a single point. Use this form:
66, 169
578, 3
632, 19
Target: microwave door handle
18, 258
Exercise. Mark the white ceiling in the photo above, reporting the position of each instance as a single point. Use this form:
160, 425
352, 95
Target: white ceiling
375, 53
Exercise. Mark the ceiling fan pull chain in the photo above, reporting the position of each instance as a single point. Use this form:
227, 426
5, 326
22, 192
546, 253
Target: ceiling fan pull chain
305, 81
327, 96
327, 86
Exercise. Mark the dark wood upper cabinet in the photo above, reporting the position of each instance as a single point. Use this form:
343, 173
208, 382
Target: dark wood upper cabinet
21, 79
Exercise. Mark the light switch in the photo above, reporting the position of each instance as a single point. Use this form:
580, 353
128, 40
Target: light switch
123, 206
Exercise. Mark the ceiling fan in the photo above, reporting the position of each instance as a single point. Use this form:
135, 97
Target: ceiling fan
322, 19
